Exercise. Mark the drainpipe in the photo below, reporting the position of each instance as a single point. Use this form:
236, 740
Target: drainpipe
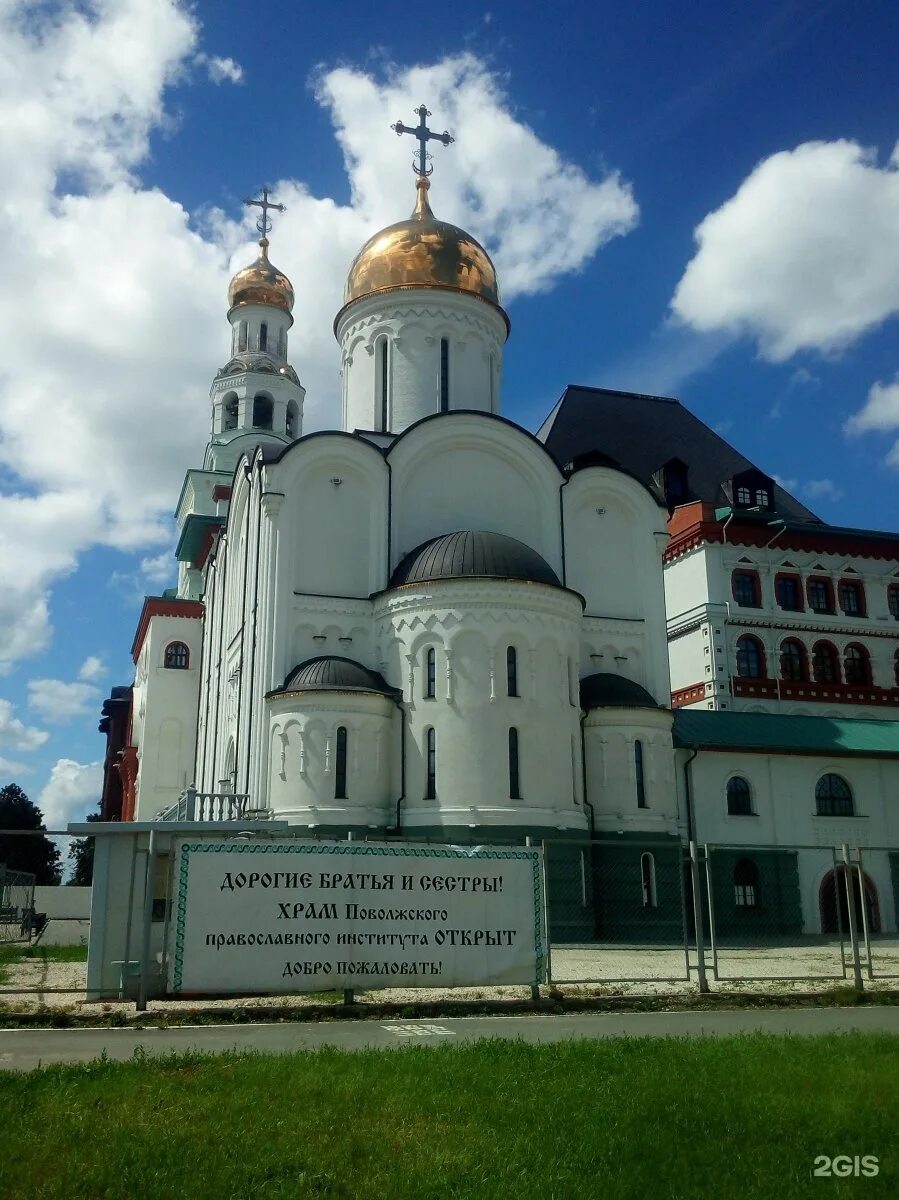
402, 796
587, 803
688, 797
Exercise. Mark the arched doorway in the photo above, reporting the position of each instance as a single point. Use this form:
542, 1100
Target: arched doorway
833, 894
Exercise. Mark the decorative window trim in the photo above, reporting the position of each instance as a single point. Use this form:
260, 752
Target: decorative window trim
834, 659
859, 589
828, 585
760, 654
856, 653
796, 578
803, 676
750, 576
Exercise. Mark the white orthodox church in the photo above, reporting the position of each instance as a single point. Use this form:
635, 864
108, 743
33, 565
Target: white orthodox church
431, 623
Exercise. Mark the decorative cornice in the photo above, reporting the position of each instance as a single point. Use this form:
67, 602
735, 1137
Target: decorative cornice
158, 606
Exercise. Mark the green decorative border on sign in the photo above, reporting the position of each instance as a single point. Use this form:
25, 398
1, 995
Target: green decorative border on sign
357, 848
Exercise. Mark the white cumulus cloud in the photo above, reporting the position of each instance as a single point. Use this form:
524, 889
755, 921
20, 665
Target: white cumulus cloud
879, 414
803, 256
15, 734
58, 702
72, 791
94, 260
93, 667
221, 70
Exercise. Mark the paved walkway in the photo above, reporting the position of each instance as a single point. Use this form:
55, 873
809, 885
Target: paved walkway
25, 1049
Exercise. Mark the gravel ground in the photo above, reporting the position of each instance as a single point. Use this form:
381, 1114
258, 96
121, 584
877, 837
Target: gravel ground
575, 969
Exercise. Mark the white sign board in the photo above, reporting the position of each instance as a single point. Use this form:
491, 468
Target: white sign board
305, 916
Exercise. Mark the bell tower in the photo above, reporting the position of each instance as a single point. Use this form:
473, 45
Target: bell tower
257, 396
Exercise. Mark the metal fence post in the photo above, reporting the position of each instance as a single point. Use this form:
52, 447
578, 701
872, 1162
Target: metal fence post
549, 948
708, 882
697, 920
146, 930
853, 932
863, 895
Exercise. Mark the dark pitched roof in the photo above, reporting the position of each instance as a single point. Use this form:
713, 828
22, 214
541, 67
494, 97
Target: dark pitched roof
642, 433
605, 690
330, 673
473, 553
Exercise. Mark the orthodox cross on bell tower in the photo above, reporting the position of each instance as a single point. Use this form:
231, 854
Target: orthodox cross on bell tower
423, 135
264, 223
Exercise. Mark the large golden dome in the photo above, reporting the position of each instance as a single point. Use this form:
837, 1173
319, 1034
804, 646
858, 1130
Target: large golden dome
261, 283
422, 252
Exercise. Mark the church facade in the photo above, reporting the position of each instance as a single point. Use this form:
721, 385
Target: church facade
431, 623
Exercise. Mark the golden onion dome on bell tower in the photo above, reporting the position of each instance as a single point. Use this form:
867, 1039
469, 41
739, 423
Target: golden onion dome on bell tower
261, 283
422, 252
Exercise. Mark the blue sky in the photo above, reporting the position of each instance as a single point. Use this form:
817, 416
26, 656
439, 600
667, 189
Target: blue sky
608, 133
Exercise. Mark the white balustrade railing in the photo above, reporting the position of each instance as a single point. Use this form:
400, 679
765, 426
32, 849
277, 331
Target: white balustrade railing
192, 805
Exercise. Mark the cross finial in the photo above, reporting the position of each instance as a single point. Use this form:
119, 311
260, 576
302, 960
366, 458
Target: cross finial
264, 222
423, 135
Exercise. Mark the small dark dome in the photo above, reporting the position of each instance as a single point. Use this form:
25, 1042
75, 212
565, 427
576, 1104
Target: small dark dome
474, 555
605, 690
331, 673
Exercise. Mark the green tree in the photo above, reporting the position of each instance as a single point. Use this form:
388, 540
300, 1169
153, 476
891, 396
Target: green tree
81, 852
36, 854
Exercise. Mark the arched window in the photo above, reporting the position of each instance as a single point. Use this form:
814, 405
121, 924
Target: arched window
514, 780
746, 590
229, 412
750, 658
263, 336
648, 880
242, 337
511, 671
857, 665
177, 656
444, 375
820, 594
762, 498
746, 884
739, 797
833, 797
793, 664
291, 425
262, 412
340, 765
383, 389
431, 674
639, 775
893, 600
744, 496
431, 757
825, 664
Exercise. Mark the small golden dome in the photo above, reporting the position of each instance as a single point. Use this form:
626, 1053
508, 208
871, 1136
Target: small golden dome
422, 252
261, 283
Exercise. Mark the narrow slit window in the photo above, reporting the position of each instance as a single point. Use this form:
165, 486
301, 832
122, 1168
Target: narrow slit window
639, 775
444, 375
431, 674
514, 778
242, 337
340, 765
511, 671
263, 336
431, 755
382, 384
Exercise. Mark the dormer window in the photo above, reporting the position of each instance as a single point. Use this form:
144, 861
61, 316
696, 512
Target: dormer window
672, 481
744, 496
762, 498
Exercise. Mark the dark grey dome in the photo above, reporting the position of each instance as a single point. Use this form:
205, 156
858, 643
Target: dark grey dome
331, 673
473, 554
605, 690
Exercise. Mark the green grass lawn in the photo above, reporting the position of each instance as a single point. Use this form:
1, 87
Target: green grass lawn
733, 1118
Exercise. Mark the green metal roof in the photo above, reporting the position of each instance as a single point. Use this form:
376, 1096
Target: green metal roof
192, 535
694, 729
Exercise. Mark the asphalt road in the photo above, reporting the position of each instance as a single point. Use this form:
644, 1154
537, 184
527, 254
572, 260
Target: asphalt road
26, 1049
